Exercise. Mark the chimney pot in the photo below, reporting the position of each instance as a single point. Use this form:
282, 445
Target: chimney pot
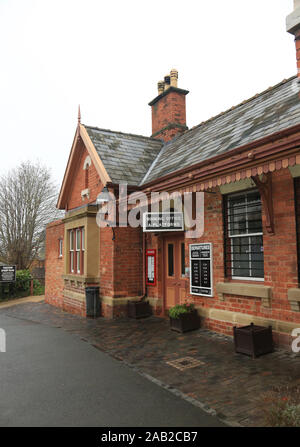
160, 87
174, 76
167, 82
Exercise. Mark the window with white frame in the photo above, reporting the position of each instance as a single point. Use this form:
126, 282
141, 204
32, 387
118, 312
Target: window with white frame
71, 233
244, 257
82, 246
77, 250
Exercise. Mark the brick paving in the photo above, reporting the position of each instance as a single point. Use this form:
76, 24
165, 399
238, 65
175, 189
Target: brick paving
231, 384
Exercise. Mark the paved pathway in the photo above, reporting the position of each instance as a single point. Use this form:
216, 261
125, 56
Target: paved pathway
231, 384
27, 299
49, 377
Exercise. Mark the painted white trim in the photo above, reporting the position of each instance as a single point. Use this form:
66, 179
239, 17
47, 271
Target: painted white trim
247, 278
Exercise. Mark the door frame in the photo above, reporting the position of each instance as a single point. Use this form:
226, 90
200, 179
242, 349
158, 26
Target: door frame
174, 234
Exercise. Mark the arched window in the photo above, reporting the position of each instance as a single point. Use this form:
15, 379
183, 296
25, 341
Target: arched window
86, 178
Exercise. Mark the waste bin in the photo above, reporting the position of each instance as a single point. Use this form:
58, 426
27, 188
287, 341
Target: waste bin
93, 305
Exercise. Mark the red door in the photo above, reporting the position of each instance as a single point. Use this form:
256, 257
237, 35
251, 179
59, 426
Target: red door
174, 271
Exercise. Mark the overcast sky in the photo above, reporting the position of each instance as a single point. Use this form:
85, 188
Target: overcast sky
107, 56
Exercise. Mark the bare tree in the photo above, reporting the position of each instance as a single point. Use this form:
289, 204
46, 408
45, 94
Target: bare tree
27, 203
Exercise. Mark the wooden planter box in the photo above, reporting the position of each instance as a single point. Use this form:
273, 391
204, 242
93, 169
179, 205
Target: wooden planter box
253, 340
139, 309
186, 322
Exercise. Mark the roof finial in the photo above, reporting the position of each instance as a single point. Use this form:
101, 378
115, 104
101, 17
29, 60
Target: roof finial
79, 115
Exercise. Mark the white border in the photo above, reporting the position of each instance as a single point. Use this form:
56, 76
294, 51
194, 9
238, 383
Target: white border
155, 230
211, 269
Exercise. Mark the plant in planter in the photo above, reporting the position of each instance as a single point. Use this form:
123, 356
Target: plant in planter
184, 318
139, 309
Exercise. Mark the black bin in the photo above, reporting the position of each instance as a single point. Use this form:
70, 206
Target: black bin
93, 305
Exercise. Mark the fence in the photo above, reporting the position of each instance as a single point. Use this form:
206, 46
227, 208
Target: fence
21, 288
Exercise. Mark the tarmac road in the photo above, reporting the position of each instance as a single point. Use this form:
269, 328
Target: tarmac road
49, 377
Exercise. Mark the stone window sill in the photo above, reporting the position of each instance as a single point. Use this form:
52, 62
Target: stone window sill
81, 279
294, 299
245, 289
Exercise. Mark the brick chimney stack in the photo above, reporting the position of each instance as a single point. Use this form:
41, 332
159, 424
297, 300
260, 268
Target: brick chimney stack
293, 27
168, 108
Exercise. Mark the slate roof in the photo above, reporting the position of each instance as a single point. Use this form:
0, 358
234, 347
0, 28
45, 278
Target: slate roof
138, 160
273, 110
126, 157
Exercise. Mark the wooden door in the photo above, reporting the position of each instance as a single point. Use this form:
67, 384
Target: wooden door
174, 271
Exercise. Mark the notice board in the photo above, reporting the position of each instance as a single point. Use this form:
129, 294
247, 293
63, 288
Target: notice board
201, 278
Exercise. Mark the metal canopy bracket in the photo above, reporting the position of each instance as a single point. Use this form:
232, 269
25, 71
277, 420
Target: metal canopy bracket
264, 185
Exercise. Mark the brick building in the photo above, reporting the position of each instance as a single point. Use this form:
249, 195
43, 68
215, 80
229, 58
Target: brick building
245, 166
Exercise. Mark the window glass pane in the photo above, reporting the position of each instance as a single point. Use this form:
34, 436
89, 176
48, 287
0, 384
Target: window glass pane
78, 233
82, 239
170, 260
257, 257
240, 256
254, 213
60, 247
244, 254
72, 262
78, 261
71, 240
182, 259
237, 215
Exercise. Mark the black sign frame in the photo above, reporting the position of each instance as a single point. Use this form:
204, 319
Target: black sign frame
7, 269
201, 269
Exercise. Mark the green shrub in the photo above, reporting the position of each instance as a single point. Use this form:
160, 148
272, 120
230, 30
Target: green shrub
38, 288
179, 309
23, 278
17, 289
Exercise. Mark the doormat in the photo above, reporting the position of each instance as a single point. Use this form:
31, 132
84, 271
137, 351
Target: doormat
185, 363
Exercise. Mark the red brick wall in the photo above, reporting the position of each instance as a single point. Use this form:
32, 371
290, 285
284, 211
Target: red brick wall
121, 262
53, 264
106, 262
128, 265
280, 260
168, 111
280, 250
95, 186
121, 266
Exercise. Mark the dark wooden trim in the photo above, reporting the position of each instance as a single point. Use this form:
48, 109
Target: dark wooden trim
264, 186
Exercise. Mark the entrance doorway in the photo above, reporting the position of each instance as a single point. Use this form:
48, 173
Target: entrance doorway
174, 271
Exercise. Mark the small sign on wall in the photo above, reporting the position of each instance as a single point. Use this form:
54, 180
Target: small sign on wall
163, 221
7, 273
150, 267
201, 279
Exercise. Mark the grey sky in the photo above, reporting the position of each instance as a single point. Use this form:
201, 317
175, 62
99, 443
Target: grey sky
109, 55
